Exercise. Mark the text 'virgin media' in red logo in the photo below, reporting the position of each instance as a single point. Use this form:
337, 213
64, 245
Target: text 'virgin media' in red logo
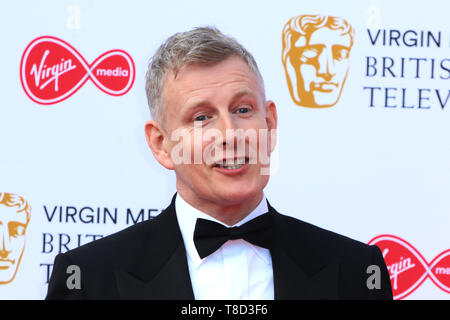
51, 70
408, 269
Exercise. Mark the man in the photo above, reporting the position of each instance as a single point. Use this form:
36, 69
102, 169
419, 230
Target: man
14, 217
219, 238
315, 56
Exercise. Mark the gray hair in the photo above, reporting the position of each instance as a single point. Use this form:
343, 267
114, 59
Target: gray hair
204, 45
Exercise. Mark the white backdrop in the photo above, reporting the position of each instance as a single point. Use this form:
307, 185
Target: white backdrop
356, 169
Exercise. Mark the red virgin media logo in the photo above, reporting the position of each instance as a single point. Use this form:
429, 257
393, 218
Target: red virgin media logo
408, 269
51, 70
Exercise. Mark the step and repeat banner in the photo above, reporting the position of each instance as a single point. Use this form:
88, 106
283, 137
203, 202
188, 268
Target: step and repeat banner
362, 90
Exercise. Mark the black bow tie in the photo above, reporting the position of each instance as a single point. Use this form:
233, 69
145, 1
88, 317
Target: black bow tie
210, 236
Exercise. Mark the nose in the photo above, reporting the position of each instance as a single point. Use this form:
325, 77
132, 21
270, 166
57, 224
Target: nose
327, 68
4, 253
227, 126
5, 249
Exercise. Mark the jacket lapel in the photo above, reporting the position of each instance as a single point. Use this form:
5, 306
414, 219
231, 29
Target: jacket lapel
298, 272
160, 270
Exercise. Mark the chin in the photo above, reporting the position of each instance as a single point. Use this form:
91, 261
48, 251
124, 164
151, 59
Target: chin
326, 99
236, 193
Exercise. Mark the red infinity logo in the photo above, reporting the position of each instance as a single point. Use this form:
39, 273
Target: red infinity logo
51, 70
408, 269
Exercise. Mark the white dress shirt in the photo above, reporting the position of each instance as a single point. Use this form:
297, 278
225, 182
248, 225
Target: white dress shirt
237, 270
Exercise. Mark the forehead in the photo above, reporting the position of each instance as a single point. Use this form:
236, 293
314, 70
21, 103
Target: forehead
328, 36
10, 214
208, 81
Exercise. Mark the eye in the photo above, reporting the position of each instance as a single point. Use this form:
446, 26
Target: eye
340, 53
309, 54
242, 110
201, 118
16, 229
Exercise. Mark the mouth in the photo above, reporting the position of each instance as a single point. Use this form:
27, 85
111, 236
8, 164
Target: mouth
6, 263
231, 164
324, 86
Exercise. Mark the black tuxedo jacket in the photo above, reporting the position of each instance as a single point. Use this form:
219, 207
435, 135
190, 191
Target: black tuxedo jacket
148, 261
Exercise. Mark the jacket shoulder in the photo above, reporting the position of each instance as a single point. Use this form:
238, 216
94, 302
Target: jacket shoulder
100, 260
323, 240
313, 248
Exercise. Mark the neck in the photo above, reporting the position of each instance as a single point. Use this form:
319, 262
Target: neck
227, 212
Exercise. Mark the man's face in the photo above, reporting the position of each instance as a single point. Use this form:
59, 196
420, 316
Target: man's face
320, 66
208, 103
12, 236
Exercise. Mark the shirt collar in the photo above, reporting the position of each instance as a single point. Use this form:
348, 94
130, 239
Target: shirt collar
187, 216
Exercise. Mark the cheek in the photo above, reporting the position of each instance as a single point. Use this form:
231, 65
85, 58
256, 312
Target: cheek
17, 245
260, 148
308, 73
186, 148
208, 150
341, 70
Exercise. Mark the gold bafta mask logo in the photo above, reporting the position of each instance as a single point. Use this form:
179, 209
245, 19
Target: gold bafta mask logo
14, 217
315, 56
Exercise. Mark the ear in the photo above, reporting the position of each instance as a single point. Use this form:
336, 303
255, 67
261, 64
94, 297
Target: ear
157, 140
272, 122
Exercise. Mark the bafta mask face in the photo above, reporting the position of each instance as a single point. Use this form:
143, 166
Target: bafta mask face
316, 66
13, 225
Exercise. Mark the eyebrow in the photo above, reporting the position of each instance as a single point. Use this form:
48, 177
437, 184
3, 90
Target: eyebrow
236, 96
23, 223
242, 93
342, 46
